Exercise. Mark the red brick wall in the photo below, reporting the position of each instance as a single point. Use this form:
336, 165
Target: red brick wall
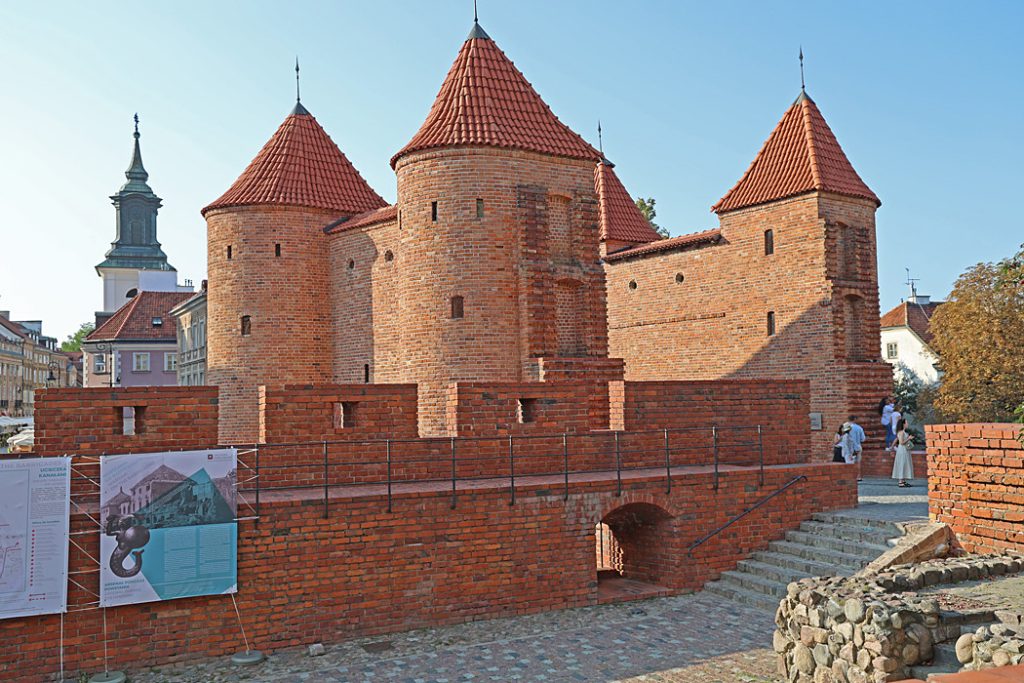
976, 484
713, 324
736, 407
296, 413
285, 298
492, 408
90, 421
424, 564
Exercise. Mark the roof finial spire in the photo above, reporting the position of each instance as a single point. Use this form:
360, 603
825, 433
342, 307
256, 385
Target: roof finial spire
802, 88
600, 142
297, 97
476, 18
136, 117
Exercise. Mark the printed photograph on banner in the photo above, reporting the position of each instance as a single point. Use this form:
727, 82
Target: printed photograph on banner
35, 497
168, 526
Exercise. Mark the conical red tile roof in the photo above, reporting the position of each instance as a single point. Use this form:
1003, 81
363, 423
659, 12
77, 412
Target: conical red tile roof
486, 101
801, 155
621, 220
301, 166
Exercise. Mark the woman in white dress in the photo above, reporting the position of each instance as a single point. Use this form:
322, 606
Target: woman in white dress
902, 466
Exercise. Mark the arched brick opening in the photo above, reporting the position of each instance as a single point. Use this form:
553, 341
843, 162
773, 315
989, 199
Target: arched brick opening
635, 541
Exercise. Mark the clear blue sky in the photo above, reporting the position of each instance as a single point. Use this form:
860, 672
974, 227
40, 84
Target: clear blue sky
925, 97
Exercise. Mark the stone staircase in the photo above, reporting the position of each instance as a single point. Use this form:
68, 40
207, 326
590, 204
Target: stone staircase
829, 544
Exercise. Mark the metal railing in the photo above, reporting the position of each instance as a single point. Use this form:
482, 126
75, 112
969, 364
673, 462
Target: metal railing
709, 536
386, 466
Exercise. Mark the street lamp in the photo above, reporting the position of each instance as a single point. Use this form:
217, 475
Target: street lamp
53, 365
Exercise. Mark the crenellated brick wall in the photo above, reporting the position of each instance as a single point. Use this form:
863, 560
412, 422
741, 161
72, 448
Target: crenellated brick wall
91, 421
337, 412
976, 484
497, 408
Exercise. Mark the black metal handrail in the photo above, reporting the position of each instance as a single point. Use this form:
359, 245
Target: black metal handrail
707, 537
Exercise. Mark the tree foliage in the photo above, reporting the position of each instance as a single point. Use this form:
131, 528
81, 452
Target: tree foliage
646, 207
979, 334
74, 341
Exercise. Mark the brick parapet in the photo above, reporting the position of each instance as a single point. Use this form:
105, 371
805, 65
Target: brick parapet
976, 484
337, 412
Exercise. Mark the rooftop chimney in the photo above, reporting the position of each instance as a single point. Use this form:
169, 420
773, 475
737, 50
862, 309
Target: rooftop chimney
921, 299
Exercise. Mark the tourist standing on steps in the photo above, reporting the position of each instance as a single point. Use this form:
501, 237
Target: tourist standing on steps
857, 436
885, 409
897, 415
837, 444
846, 444
903, 465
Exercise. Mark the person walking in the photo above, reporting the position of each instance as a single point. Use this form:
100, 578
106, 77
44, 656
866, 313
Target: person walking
885, 409
903, 465
857, 438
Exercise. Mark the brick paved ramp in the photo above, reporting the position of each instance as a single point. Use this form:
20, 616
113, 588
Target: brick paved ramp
697, 638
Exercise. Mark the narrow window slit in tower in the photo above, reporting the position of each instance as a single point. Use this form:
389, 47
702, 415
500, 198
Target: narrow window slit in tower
229, 252
771, 323
457, 307
277, 249
479, 208
366, 373
433, 211
769, 242
246, 325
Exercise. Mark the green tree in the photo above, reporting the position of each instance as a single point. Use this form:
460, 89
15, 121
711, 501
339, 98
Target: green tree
74, 341
646, 207
979, 334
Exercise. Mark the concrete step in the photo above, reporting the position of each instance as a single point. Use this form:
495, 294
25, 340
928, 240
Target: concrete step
800, 564
773, 572
809, 552
862, 549
849, 532
945, 662
851, 518
754, 583
743, 596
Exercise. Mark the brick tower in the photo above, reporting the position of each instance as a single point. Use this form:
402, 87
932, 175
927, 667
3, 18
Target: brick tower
499, 240
268, 268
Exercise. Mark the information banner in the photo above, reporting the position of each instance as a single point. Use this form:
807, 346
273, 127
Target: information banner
168, 526
35, 495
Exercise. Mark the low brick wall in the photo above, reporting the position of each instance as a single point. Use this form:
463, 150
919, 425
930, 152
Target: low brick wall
295, 413
976, 484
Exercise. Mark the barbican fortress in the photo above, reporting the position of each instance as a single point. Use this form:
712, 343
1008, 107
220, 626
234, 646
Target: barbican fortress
514, 254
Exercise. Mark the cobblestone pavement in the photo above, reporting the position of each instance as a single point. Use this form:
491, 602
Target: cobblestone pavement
883, 499
697, 638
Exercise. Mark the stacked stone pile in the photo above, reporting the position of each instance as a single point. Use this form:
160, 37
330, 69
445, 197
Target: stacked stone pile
1000, 644
859, 630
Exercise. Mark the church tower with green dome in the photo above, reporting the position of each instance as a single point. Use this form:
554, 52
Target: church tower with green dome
135, 261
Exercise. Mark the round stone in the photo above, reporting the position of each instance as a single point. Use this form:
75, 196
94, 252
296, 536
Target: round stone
803, 660
854, 610
965, 648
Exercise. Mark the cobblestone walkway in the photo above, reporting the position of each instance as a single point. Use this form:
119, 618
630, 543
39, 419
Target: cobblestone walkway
692, 638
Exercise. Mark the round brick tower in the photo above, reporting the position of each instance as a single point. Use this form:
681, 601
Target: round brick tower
495, 195
268, 317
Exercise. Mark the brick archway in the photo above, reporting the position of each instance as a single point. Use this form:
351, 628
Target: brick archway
638, 538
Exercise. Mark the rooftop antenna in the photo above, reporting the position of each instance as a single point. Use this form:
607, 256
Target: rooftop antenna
802, 69
297, 98
912, 282
600, 142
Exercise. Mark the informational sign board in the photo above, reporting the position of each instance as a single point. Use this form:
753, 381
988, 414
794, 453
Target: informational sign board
35, 495
168, 526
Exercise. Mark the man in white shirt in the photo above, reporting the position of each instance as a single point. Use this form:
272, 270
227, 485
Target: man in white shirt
887, 421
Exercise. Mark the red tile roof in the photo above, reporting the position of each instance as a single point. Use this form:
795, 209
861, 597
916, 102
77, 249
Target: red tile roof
134, 320
373, 217
301, 166
801, 155
915, 316
671, 244
621, 220
486, 101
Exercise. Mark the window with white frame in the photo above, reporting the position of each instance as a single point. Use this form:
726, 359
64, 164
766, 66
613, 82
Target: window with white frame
170, 362
892, 350
140, 361
99, 362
